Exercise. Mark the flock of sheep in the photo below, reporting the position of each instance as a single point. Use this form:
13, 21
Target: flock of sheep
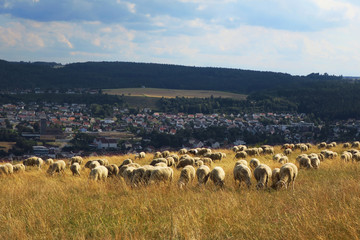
198, 164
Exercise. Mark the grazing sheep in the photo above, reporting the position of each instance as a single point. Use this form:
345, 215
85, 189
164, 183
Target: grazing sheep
75, 168
184, 162
103, 162
288, 173
125, 162
94, 164
315, 162
305, 162
277, 157
287, 151
6, 169
202, 174
165, 154
242, 174
19, 167
283, 159
241, 154
254, 163
303, 148
158, 160
140, 155
193, 151
157, 155
217, 175
198, 163
268, 149
58, 166
322, 145
139, 175
161, 174
113, 170
355, 144
262, 175
183, 151
34, 161
243, 162
187, 175
49, 161
160, 164
214, 156
346, 145
275, 177
207, 161
346, 156
99, 173
77, 159
170, 161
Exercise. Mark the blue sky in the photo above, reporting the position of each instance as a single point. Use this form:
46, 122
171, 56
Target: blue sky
297, 37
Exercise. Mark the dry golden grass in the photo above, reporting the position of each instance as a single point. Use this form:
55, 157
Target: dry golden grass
6, 146
172, 93
324, 205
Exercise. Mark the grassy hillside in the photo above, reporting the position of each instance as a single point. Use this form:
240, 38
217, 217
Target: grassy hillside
172, 93
324, 205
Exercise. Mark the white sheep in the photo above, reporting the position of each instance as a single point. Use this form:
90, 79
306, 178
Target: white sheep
77, 159
315, 162
275, 176
75, 168
19, 167
187, 175
254, 162
6, 169
98, 173
49, 161
113, 170
202, 174
217, 175
288, 174
305, 162
140, 155
242, 174
58, 166
242, 161
94, 164
262, 174
161, 174
241, 154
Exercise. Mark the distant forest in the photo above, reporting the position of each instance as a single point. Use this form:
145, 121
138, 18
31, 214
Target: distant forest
325, 96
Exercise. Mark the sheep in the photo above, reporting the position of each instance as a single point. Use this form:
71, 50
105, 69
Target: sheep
139, 175
125, 162
75, 168
58, 166
184, 162
202, 174
203, 151
94, 164
243, 162
6, 169
214, 156
241, 154
346, 145
305, 162
283, 159
242, 174
198, 163
113, 170
98, 173
346, 156
157, 155
103, 162
288, 174
140, 155
161, 164
217, 175
303, 148
170, 161
193, 151
165, 154
175, 157
275, 176
164, 174
34, 161
183, 151
207, 161
315, 162
253, 151
77, 159
322, 145
277, 157
187, 175
158, 160
19, 167
254, 163
355, 144
49, 161
262, 174
287, 151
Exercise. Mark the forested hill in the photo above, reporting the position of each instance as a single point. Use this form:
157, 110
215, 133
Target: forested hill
126, 75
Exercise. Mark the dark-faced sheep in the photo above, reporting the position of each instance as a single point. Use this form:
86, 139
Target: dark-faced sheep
262, 175
217, 176
288, 174
125, 162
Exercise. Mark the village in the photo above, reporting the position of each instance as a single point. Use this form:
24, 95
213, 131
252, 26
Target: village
59, 123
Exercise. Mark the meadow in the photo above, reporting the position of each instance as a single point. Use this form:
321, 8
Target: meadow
172, 93
324, 205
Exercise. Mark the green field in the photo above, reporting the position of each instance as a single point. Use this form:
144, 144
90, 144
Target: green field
171, 93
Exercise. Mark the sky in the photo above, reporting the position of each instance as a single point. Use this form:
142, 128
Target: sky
296, 37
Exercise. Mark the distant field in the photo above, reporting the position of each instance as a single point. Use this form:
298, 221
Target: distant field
6, 146
172, 93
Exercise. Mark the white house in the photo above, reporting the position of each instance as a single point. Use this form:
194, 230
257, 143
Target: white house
103, 143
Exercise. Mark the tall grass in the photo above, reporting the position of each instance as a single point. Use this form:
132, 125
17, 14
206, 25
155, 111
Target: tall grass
324, 205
